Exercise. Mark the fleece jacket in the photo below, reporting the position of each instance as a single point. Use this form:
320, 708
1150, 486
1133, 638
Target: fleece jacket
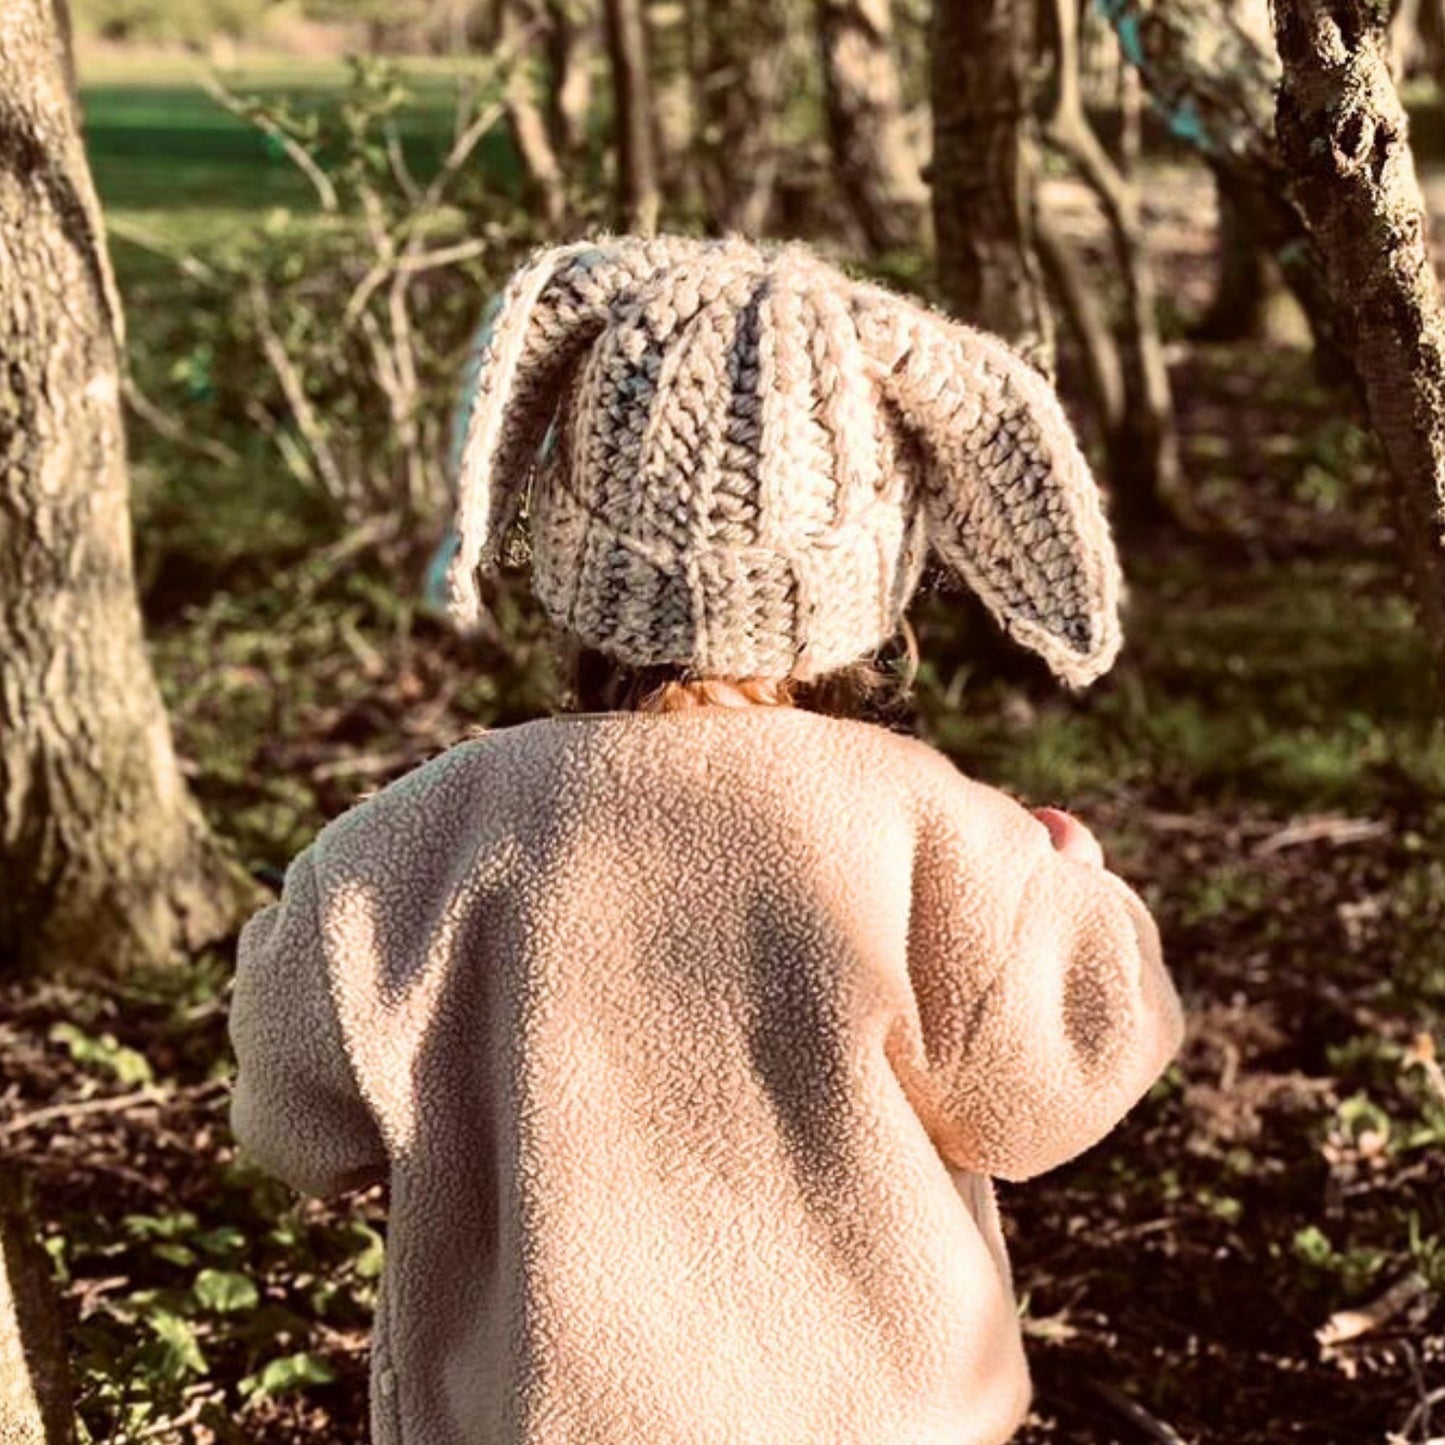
688, 1044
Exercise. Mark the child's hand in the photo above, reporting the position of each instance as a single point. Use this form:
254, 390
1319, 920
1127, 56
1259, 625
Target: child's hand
1070, 836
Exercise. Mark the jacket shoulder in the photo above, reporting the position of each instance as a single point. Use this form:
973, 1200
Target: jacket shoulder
437, 796
944, 793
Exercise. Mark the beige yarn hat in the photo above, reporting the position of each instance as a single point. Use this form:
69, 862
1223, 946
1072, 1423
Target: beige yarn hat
751, 453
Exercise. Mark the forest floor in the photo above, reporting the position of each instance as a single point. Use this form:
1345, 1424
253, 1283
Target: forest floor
1257, 1256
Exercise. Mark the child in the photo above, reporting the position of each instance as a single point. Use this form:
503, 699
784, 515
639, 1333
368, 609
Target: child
688, 1030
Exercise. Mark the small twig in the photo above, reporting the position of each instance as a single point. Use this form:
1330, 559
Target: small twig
466, 94
404, 351
465, 144
1421, 1414
396, 159
110, 1104
186, 262
87, 1292
386, 373
147, 1097
466, 137
163, 422
1335, 831
291, 453
327, 563
411, 264
1136, 1414
373, 665
188, 1417
1199, 825
1350, 1324
299, 155
1229, 1071
295, 393
367, 765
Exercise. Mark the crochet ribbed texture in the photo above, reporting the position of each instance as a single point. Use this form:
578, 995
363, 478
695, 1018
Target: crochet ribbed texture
750, 454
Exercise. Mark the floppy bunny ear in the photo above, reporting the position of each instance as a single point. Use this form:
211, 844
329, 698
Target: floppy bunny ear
552, 308
1010, 504
466, 402
521, 351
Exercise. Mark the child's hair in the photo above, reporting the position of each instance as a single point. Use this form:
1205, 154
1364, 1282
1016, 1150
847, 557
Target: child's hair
871, 689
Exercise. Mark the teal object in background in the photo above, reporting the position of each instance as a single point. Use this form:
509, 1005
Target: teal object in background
434, 585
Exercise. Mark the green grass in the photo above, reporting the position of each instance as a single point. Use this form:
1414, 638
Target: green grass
1309, 687
160, 146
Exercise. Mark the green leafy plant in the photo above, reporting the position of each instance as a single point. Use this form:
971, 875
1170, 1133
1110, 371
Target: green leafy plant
103, 1053
333, 336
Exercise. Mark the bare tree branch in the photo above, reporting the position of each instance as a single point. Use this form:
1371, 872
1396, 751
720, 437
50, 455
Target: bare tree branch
1085, 315
174, 431
294, 390
401, 172
299, 155
1144, 448
636, 161
412, 265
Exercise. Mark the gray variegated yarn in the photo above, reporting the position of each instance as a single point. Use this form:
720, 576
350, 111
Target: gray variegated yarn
751, 454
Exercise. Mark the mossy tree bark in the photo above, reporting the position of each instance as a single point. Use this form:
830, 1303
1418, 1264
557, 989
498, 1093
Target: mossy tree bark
982, 172
876, 170
1343, 134
105, 861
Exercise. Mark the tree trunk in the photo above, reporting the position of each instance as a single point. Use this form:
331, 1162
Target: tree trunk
104, 859
1240, 305
1143, 444
982, 172
571, 43
1078, 298
531, 133
1432, 40
983, 179
671, 36
638, 197
876, 171
1214, 84
1342, 131
34, 1379
743, 62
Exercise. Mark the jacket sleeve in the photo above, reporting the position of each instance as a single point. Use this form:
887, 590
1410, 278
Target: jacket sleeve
1044, 1004
296, 1110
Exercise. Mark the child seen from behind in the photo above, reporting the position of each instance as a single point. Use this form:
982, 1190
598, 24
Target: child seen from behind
689, 1028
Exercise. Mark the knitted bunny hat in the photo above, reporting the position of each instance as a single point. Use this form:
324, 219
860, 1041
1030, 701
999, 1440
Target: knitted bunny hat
748, 454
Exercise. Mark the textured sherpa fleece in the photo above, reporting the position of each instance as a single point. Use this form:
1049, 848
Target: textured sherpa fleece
687, 1043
